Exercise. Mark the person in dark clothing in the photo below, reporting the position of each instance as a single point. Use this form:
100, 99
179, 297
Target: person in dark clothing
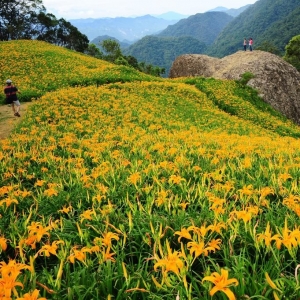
10, 92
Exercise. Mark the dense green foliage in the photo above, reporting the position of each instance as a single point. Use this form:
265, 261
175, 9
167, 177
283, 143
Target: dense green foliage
28, 19
292, 52
280, 32
162, 51
204, 27
110, 50
272, 21
98, 40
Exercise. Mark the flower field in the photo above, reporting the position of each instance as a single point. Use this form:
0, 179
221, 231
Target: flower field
118, 185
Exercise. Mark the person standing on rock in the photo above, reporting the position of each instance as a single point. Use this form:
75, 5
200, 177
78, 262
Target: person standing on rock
245, 45
10, 92
250, 44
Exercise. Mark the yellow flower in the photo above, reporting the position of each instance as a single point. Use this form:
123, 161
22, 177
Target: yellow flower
107, 255
176, 179
243, 214
285, 176
222, 283
8, 201
171, 262
183, 233
49, 249
32, 296
8, 285
108, 237
3, 243
267, 236
40, 183
134, 178
199, 248
246, 190
65, 209
288, 238
87, 215
12, 269
50, 192
36, 232
78, 254
215, 244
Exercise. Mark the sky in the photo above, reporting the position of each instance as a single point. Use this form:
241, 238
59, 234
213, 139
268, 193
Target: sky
82, 9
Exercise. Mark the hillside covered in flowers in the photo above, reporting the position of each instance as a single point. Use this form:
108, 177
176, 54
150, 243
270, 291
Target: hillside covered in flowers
119, 185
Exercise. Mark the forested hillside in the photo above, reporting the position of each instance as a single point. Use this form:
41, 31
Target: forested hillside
162, 51
234, 12
272, 21
204, 27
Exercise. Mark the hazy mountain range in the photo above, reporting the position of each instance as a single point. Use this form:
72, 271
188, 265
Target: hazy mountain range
124, 29
132, 29
219, 32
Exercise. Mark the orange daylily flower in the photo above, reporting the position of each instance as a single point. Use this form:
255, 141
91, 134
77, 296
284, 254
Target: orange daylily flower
171, 262
183, 233
222, 283
12, 269
108, 237
32, 296
3, 243
134, 178
79, 254
49, 249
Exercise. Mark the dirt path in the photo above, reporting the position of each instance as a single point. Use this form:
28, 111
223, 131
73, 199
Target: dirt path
7, 119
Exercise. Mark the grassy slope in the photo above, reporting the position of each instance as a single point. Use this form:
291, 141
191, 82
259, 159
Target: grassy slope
38, 67
141, 158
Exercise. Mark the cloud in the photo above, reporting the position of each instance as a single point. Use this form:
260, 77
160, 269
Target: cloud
79, 9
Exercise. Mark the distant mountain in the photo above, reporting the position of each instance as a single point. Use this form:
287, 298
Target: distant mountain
162, 51
203, 26
99, 39
130, 29
234, 12
219, 8
171, 16
271, 21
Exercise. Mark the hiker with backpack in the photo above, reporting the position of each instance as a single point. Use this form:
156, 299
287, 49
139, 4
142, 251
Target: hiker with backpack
10, 92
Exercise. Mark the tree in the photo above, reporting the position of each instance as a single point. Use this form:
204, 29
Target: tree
68, 36
132, 61
94, 51
46, 28
112, 50
292, 52
268, 47
27, 19
17, 18
113, 53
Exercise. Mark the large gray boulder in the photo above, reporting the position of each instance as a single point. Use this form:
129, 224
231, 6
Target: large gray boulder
277, 81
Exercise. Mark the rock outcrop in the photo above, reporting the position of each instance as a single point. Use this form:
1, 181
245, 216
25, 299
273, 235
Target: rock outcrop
277, 81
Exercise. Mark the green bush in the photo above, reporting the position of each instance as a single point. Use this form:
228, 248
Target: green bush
245, 78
